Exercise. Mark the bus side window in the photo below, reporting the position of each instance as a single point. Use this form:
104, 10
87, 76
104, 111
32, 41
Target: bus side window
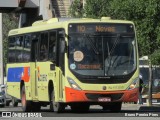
52, 45
19, 49
44, 47
34, 46
11, 50
27, 48
61, 50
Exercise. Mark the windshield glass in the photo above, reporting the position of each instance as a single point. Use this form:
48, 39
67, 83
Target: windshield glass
102, 54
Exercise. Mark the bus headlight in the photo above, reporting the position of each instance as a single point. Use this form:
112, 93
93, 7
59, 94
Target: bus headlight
134, 84
73, 84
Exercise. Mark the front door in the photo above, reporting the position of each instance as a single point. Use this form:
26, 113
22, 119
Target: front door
33, 68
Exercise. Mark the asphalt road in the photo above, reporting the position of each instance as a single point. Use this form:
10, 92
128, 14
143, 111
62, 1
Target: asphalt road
96, 111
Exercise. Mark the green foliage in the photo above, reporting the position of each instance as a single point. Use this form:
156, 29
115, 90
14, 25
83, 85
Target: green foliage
9, 22
76, 9
155, 57
144, 13
96, 8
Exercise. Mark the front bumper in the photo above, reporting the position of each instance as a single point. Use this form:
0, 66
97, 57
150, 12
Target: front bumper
93, 96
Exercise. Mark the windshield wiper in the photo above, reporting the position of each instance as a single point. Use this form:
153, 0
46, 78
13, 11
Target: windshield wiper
115, 44
110, 53
92, 44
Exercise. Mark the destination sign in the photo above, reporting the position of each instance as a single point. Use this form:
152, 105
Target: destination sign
101, 28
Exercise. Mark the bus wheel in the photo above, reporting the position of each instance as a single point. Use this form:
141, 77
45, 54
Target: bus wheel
26, 105
14, 102
115, 107
51, 101
57, 106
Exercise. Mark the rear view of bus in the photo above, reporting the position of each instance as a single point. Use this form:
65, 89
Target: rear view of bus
102, 63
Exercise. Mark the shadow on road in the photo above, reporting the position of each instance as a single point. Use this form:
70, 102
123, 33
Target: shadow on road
150, 108
141, 109
99, 112
95, 111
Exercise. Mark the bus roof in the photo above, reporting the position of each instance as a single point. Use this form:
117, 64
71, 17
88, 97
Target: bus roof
61, 23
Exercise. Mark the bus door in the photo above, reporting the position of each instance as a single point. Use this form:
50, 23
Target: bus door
60, 63
33, 69
43, 74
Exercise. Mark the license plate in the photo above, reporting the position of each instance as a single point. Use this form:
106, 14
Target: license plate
104, 99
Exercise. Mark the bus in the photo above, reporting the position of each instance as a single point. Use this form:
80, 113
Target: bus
73, 62
144, 71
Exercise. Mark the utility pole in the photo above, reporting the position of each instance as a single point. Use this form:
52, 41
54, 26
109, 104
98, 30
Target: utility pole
1, 51
150, 84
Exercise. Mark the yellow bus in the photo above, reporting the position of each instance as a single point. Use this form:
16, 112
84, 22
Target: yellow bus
73, 62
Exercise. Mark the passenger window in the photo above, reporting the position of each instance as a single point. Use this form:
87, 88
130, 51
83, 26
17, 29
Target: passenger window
52, 45
19, 49
11, 50
35, 38
27, 48
44, 47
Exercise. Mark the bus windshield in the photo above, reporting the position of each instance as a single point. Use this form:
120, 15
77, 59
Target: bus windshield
102, 54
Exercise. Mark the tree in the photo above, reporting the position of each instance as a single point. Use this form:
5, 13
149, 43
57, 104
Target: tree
9, 22
146, 15
96, 8
76, 9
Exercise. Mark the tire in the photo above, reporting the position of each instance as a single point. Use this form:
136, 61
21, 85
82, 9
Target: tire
14, 102
56, 106
26, 105
51, 101
59, 107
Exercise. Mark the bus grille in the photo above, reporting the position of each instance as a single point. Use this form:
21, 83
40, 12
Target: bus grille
95, 96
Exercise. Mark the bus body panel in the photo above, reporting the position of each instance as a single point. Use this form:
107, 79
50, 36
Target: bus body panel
37, 74
43, 74
110, 87
17, 74
79, 96
93, 96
